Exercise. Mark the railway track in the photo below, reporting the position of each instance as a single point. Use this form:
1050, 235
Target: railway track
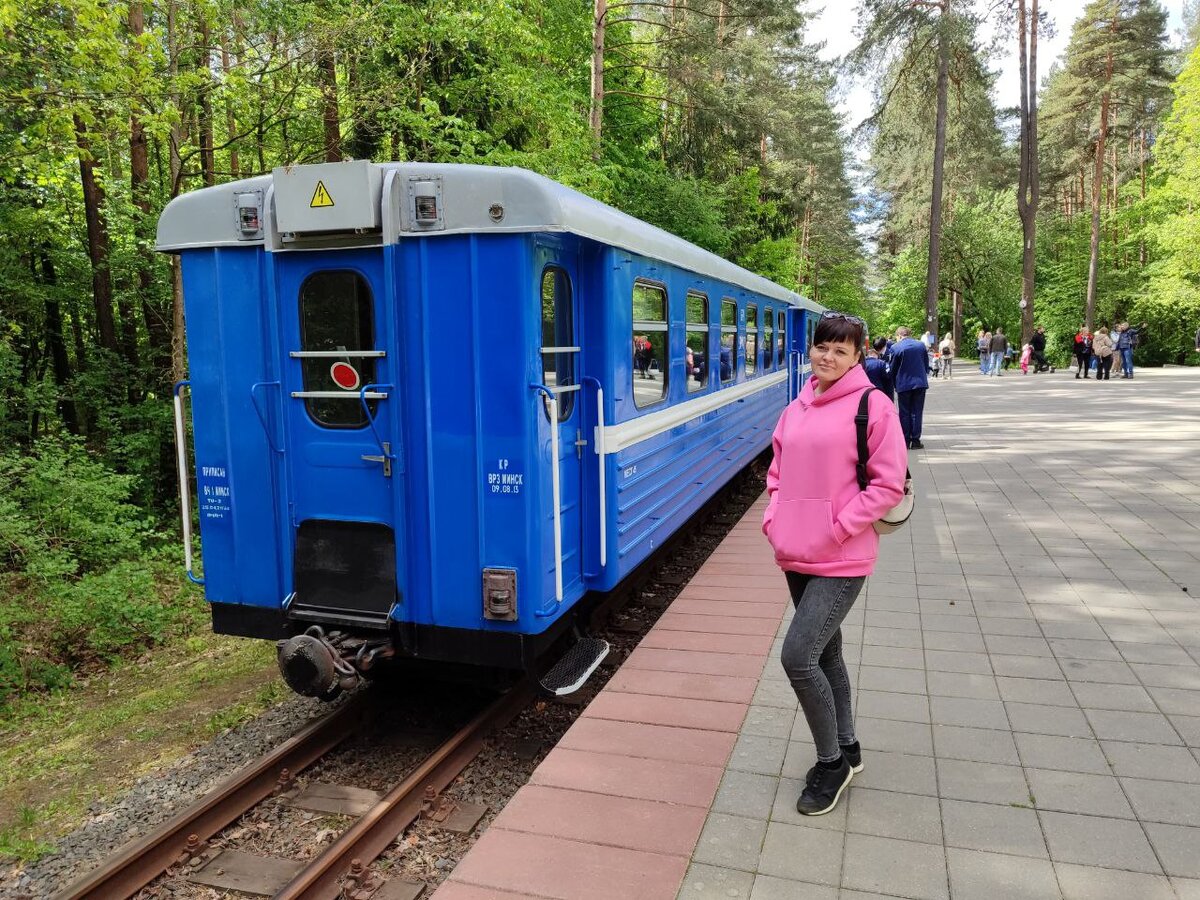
343, 868
181, 838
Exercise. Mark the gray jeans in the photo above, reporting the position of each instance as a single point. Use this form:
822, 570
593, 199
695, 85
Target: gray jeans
812, 657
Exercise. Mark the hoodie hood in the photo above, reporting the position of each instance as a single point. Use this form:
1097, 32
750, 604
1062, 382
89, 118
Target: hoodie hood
853, 382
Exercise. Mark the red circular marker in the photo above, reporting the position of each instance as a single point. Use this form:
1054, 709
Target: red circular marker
345, 376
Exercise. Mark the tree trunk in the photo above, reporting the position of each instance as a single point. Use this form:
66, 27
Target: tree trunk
58, 344
208, 162
1097, 185
956, 307
1027, 186
597, 111
157, 329
939, 160
97, 237
230, 121
329, 93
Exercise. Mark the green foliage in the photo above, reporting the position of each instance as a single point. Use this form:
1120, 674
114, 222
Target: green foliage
79, 571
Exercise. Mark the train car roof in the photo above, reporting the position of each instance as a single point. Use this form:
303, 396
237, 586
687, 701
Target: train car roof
375, 203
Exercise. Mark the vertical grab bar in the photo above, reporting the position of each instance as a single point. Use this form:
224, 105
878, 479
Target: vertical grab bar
185, 504
553, 404
598, 447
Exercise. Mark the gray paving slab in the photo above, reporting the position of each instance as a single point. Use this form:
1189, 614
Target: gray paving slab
1027, 684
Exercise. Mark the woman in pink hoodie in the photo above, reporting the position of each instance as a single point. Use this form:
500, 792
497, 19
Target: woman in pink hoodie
819, 523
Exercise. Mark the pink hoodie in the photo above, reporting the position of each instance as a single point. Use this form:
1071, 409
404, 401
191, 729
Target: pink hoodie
817, 520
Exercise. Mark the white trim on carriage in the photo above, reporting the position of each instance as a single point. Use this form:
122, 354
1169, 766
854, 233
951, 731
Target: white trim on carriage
618, 437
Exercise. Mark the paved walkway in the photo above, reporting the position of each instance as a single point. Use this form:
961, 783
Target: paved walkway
1026, 661
1027, 670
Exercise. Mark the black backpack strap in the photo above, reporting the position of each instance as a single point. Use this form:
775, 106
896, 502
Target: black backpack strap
860, 426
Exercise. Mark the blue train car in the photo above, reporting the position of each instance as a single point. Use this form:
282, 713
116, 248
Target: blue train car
435, 405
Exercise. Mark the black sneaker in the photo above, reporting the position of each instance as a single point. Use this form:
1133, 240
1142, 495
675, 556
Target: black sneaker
917, 445
824, 788
853, 754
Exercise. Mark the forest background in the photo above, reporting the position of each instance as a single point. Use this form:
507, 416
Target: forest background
714, 119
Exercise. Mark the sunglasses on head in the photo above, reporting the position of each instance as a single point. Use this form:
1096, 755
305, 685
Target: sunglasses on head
853, 320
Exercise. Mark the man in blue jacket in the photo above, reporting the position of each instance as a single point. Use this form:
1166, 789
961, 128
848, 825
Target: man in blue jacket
910, 375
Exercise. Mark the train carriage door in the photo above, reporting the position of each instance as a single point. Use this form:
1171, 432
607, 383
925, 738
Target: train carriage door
797, 349
561, 359
342, 457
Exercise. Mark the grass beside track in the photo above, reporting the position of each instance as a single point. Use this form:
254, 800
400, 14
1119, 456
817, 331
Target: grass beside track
61, 753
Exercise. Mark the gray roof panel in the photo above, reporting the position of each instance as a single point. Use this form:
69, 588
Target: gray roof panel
469, 195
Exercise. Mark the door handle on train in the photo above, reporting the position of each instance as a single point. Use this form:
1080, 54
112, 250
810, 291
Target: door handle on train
556, 488
262, 417
385, 448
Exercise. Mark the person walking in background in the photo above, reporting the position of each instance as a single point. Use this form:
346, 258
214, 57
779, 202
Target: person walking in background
982, 340
1124, 349
1082, 348
1038, 343
946, 348
996, 348
877, 368
911, 378
1026, 353
819, 523
1009, 353
1102, 348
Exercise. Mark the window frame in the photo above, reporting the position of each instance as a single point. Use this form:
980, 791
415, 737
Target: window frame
752, 367
768, 341
366, 368
724, 330
566, 396
702, 327
645, 326
781, 337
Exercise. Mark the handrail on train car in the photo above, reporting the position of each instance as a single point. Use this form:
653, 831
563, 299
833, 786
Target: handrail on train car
553, 401
185, 506
598, 447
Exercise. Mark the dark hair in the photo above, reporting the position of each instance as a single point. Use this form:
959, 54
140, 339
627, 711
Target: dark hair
839, 330
880, 344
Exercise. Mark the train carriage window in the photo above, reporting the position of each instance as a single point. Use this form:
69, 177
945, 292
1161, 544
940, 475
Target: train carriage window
558, 331
751, 339
768, 338
650, 362
729, 317
336, 313
780, 338
695, 356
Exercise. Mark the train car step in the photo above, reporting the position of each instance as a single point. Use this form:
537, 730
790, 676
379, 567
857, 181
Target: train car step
569, 674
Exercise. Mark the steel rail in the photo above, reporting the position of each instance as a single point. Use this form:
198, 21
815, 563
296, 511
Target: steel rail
144, 859
373, 832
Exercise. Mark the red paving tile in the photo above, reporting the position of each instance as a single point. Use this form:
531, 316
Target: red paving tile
615, 810
696, 661
672, 621
569, 870
772, 581
707, 715
689, 745
749, 644
626, 776
696, 606
725, 688
458, 890
600, 819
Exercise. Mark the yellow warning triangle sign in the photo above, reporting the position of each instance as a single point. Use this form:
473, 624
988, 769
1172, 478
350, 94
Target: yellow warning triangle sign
320, 197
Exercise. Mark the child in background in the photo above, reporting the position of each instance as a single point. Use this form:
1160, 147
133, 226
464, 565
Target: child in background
1026, 354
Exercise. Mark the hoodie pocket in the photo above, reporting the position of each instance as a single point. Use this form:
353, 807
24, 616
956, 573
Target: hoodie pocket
802, 530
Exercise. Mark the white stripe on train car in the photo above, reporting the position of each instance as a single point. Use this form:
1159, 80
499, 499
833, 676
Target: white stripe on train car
617, 437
